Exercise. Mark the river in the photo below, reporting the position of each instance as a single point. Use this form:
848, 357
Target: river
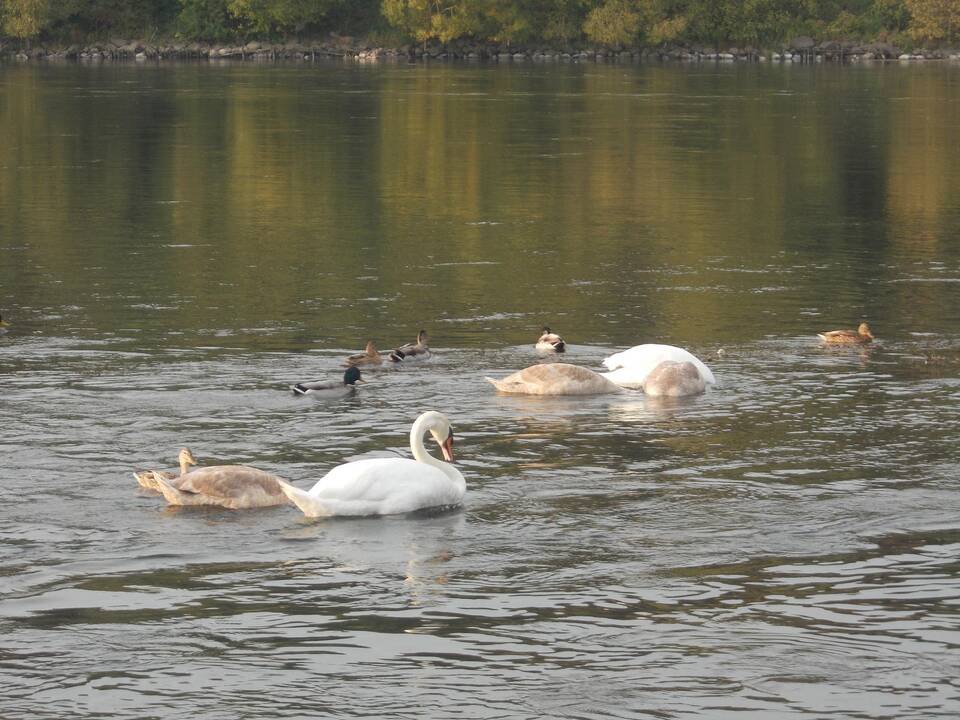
179, 243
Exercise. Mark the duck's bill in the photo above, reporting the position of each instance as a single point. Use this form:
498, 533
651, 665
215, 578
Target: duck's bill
447, 448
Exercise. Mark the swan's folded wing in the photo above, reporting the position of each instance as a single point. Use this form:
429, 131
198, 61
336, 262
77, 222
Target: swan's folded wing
384, 486
230, 481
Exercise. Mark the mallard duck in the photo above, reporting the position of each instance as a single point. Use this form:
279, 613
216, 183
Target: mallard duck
386, 486
861, 335
674, 379
412, 351
630, 368
148, 478
330, 388
370, 356
550, 342
230, 486
3, 325
555, 379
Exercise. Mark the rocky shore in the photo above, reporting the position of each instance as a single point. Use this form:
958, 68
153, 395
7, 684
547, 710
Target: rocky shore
801, 49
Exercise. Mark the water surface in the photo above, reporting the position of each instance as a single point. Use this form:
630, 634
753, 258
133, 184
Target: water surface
179, 243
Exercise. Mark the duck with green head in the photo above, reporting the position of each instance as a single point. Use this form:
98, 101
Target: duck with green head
330, 388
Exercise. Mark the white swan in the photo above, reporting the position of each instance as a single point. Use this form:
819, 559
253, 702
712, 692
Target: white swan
386, 486
630, 368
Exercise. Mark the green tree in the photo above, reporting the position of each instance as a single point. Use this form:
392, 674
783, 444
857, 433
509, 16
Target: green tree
563, 19
616, 22
264, 17
203, 19
891, 15
934, 20
662, 21
73, 19
24, 19
746, 22
431, 19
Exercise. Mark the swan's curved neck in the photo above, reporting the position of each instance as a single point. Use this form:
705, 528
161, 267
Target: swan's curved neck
422, 425
184, 466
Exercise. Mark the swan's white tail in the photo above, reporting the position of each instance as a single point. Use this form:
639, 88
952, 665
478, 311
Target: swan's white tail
309, 505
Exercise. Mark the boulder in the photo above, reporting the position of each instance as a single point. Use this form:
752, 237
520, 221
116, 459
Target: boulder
882, 50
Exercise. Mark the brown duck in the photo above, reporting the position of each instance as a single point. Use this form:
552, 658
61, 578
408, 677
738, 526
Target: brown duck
861, 335
370, 356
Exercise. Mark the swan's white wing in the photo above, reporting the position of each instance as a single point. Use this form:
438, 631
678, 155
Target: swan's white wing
631, 367
384, 486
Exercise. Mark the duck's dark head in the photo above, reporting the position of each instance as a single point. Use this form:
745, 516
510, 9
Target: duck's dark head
421, 337
352, 376
546, 330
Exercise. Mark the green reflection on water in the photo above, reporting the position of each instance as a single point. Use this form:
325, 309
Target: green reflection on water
283, 206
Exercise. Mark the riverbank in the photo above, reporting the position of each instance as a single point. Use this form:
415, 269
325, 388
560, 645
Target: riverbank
801, 49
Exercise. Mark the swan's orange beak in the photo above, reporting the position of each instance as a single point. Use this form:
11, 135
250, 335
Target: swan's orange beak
447, 447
